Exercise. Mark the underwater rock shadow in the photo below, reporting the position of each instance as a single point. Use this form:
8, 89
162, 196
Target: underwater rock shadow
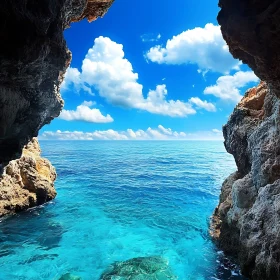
19, 229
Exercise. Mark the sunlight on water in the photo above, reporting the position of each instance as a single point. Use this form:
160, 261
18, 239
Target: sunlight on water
121, 200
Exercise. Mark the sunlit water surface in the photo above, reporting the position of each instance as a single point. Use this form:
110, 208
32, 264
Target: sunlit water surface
120, 200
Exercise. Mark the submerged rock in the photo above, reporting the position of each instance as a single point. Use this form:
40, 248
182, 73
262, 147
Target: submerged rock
26, 182
69, 276
143, 268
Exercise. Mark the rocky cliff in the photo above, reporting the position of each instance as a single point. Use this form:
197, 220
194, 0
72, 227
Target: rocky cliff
247, 220
33, 59
26, 182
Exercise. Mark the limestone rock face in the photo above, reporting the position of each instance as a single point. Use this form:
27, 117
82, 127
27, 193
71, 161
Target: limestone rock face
247, 220
26, 182
33, 59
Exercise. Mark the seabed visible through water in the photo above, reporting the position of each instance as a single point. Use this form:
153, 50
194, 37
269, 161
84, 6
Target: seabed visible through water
118, 201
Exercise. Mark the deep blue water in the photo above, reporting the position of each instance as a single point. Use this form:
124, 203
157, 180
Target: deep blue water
120, 200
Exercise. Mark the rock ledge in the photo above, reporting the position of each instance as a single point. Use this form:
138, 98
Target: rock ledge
26, 182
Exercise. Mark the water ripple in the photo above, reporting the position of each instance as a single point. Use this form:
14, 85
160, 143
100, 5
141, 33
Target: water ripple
121, 200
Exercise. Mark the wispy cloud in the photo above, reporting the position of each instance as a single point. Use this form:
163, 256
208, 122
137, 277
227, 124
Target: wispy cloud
159, 133
150, 37
200, 104
215, 130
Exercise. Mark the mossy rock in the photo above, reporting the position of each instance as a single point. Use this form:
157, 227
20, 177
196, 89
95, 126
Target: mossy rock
143, 268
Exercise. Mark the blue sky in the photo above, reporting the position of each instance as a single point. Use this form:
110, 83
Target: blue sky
149, 70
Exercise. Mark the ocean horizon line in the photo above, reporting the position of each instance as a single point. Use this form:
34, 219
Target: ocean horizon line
130, 140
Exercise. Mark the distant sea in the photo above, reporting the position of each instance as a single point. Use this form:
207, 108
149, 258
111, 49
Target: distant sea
119, 200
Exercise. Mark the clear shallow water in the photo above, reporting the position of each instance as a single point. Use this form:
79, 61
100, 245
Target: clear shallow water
121, 200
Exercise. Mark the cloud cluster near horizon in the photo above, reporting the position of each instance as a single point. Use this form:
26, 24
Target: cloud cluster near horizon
159, 133
86, 114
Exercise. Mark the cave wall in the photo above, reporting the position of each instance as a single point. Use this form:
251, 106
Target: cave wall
33, 59
246, 223
251, 29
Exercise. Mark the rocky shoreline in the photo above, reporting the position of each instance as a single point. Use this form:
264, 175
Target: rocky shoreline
26, 182
246, 223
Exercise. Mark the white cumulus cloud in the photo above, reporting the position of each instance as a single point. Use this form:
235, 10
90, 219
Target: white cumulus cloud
106, 70
89, 103
86, 114
204, 47
203, 104
228, 87
73, 78
159, 133
156, 103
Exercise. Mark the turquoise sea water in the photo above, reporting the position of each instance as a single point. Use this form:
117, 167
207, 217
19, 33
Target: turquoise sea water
121, 200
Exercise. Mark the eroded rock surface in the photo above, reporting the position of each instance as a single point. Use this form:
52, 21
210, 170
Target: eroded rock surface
33, 59
26, 182
247, 220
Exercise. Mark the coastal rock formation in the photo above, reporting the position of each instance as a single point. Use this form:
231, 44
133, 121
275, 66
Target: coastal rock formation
145, 268
33, 59
26, 182
247, 220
